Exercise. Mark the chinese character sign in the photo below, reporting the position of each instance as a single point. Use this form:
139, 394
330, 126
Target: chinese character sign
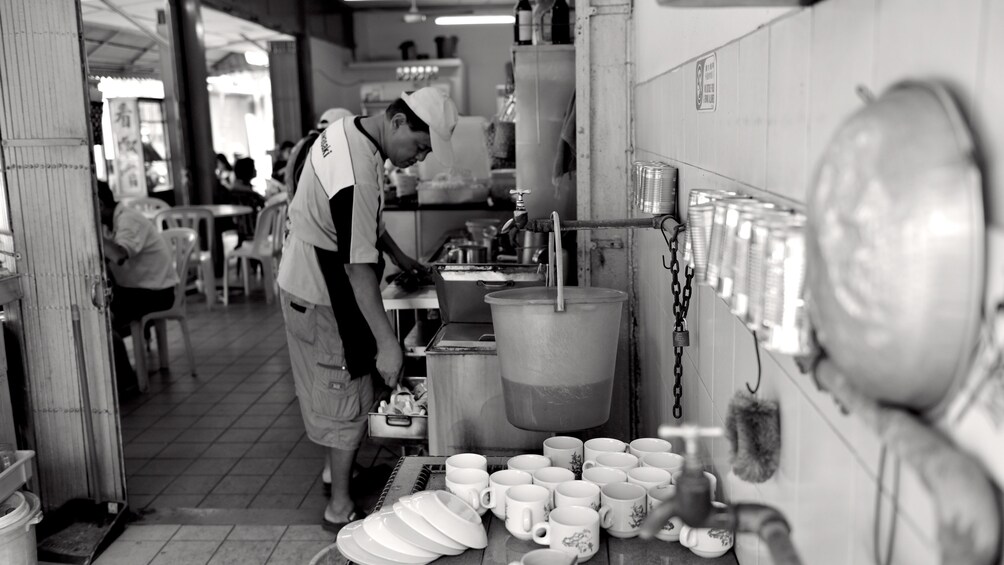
128, 147
707, 83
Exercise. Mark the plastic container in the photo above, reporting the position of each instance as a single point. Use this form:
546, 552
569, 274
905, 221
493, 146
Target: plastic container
17, 529
557, 367
16, 475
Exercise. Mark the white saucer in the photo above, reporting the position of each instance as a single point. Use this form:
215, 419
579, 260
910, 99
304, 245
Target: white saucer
351, 550
452, 516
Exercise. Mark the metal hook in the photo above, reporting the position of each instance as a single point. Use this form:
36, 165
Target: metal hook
756, 348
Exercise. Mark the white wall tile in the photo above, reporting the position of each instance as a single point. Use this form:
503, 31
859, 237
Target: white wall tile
843, 43
692, 119
722, 385
751, 108
727, 112
781, 490
706, 353
929, 39
788, 104
989, 113
675, 132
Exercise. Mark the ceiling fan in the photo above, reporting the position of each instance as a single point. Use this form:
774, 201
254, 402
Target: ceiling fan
413, 16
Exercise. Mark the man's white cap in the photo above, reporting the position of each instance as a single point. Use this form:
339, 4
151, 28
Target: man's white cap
332, 115
440, 113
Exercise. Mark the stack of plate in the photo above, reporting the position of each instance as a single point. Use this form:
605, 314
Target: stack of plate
418, 529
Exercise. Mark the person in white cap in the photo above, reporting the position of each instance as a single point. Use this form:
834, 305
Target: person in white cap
329, 277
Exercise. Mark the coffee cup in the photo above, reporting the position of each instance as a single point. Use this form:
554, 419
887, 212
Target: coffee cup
499, 482
645, 445
649, 477
551, 477
707, 542
623, 507
671, 462
571, 529
598, 445
577, 493
466, 461
528, 462
622, 461
565, 451
546, 557
525, 505
670, 531
467, 484
711, 479
601, 476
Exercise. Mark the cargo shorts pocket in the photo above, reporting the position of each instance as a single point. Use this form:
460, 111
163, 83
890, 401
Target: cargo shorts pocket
301, 320
335, 394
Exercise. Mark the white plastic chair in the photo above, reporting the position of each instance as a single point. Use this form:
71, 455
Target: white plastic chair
267, 231
149, 207
183, 242
201, 220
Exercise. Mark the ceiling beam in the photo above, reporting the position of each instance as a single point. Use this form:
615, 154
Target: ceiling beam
152, 34
102, 43
143, 51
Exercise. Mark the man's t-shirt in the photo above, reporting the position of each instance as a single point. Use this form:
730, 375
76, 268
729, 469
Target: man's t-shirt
334, 220
150, 263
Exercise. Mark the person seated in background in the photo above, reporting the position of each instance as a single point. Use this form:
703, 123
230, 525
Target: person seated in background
224, 172
242, 194
141, 265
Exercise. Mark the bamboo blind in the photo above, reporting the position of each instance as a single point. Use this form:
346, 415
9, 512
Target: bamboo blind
47, 174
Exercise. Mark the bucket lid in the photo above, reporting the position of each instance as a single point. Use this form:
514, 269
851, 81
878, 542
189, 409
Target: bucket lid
548, 295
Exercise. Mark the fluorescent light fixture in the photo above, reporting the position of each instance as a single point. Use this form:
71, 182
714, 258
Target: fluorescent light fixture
474, 20
256, 57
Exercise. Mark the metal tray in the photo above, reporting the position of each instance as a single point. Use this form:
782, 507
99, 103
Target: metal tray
462, 287
400, 426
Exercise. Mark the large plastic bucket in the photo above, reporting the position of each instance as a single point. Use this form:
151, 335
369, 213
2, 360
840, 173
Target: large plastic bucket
557, 367
17, 529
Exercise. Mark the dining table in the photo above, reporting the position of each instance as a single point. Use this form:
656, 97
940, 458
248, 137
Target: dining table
221, 211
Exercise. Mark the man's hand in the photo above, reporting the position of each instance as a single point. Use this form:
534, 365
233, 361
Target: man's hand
409, 265
390, 363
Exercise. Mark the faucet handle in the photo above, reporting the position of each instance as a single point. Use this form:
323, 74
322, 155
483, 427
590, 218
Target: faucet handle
690, 434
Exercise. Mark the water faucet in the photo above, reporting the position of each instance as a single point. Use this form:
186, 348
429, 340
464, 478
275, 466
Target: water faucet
692, 503
519, 217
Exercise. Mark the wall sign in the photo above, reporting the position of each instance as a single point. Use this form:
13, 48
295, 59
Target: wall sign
707, 83
129, 169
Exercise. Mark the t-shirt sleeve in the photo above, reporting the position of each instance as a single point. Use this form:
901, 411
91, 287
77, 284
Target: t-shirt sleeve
130, 233
354, 212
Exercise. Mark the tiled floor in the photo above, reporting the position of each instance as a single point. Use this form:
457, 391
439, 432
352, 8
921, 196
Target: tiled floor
230, 443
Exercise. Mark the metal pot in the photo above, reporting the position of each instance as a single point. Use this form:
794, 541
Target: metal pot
896, 247
467, 254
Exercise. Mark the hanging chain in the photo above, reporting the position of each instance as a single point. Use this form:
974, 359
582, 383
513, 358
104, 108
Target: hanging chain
681, 305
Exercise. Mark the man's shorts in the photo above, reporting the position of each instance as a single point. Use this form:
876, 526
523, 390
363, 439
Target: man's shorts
334, 406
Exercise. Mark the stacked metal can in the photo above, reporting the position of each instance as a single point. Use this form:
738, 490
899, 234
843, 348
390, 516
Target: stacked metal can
654, 187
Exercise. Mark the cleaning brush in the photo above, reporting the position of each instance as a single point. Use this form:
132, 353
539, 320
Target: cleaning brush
753, 428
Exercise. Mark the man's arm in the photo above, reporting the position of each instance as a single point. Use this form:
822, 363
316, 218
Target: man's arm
366, 288
387, 244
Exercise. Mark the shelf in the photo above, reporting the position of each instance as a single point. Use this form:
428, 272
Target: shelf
542, 48
379, 65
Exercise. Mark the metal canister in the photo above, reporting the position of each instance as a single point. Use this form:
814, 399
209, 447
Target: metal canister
738, 269
699, 218
730, 247
636, 184
756, 262
716, 242
785, 316
659, 189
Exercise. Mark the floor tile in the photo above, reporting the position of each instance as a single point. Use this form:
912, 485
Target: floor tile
215, 419
164, 466
315, 502
270, 449
307, 533
230, 409
267, 408
227, 450
301, 467
191, 410
140, 501
183, 450
308, 450
148, 484
256, 533
240, 397
199, 435
149, 533
125, 552
240, 435
296, 552
202, 533
240, 484
288, 421
186, 553
250, 421
192, 484
280, 434
226, 501
256, 466
134, 464
290, 501
176, 501
182, 422
243, 553
137, 450
289, 484
211, 466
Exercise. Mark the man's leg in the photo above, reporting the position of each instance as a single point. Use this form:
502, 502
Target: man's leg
340, 505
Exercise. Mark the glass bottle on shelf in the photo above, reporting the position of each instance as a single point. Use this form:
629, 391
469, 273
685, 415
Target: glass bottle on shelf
561, 33
523, 26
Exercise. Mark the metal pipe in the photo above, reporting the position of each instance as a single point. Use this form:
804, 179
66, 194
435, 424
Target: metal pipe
546, 225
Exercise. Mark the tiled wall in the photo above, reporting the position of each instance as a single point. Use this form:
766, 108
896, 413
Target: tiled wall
783, 89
